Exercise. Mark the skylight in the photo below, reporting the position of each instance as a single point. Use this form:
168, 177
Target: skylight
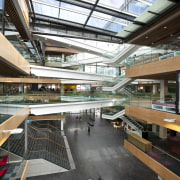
108, 15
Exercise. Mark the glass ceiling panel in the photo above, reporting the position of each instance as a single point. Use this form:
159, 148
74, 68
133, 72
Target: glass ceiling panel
151, 1
115, 27
95, 22
106, 16
136, 7
55, 2
118, 4
46, 10
73, 7
72, 16
0, 4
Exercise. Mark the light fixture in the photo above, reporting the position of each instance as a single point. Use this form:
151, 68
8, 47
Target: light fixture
165, 27
170, 120
146, 37
13, 131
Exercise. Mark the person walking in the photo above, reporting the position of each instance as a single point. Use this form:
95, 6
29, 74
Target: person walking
89, 129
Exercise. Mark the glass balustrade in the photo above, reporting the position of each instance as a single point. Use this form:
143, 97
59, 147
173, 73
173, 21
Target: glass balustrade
149, 57
166, 104
113, 109
114, 81
68, 97
156, 103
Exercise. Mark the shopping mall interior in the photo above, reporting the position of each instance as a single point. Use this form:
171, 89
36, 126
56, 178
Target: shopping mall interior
90, 89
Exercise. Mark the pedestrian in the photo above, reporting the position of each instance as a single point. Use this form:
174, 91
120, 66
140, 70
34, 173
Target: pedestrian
99, 178
89, 129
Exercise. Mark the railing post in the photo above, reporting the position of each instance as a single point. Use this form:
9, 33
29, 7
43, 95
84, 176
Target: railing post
25, 137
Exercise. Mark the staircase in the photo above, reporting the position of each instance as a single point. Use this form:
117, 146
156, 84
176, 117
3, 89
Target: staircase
115, 116
49, 146
132, 123
119, 85
42, 143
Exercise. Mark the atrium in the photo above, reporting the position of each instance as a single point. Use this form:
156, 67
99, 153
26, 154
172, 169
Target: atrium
90, 89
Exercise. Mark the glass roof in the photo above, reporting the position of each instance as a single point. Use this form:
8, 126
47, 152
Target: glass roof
107, 15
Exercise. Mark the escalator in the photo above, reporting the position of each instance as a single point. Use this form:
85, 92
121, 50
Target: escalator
117, 84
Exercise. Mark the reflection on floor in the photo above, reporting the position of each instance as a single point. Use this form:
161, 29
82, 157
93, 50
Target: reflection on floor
99, 153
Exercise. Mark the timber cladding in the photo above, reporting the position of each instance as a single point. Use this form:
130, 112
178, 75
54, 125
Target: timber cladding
153, 116
168, 65
30, 80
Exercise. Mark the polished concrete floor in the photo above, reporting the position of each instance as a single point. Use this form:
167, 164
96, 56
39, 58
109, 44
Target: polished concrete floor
99, 153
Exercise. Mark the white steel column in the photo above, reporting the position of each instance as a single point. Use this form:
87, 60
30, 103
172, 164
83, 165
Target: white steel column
163, 93
154, 88
163, 89
154, 128
62, 89
162, 132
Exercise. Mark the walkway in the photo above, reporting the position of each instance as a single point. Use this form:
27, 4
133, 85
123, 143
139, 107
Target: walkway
101, 153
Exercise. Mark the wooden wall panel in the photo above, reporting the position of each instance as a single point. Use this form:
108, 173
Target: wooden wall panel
162, 171
164, 66
30, 80
12, 123
154, 116
9, 55
46, 117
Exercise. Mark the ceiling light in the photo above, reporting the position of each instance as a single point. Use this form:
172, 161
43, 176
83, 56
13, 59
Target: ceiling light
165, 27
146, 37
170, 120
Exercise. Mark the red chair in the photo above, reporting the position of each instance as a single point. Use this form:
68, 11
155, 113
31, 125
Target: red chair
4, 161
3, 172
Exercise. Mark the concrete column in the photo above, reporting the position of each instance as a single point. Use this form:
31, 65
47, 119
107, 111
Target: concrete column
101, 113
163, 89
154, 88
62, 89
62, 57
25, 136
154, 128
162, 132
